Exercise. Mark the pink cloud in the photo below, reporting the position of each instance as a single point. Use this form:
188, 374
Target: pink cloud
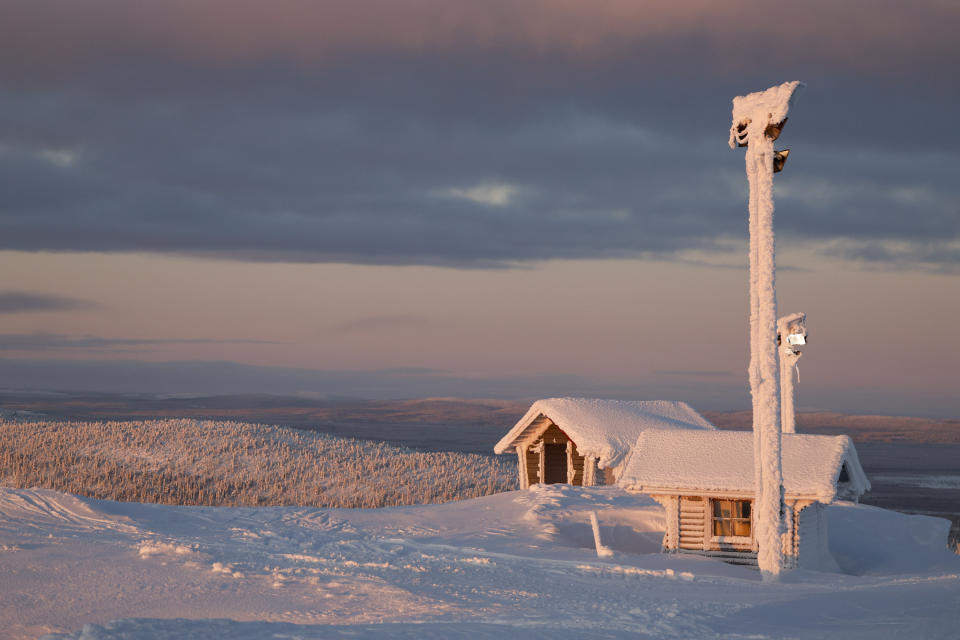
50, 33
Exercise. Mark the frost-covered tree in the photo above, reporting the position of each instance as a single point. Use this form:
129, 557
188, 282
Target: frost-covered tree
222, 463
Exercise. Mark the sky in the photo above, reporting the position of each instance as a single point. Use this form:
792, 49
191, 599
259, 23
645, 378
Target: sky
479, 199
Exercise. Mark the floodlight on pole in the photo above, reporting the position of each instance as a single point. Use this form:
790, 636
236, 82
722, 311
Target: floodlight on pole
791, 339
780, 159
758, 120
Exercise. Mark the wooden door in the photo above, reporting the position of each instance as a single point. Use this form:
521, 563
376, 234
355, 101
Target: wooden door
554, 463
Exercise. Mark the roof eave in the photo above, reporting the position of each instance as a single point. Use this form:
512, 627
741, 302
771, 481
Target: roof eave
509, 441
715, 493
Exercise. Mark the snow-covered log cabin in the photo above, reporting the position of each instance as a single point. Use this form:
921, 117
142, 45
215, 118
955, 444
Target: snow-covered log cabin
705, 481
585, 441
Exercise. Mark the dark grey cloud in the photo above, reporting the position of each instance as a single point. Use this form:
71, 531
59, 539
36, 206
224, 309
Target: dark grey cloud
942, 257
472, 156
28, 302
55, 341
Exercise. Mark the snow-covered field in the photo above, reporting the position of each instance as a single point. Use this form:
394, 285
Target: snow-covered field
517, 564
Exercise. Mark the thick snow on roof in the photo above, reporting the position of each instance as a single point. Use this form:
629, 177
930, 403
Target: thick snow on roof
606, 429
722, 461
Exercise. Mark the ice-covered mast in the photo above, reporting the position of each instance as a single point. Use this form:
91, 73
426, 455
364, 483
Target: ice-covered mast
758, 119
792, 338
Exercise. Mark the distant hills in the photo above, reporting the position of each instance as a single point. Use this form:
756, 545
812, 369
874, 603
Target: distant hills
476, 416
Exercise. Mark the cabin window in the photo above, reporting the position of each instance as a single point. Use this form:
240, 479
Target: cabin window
731, 518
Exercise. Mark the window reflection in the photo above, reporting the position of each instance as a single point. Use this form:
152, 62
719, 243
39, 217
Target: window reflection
731, 518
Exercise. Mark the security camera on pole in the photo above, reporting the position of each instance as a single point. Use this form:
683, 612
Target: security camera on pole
758, 119
791, 339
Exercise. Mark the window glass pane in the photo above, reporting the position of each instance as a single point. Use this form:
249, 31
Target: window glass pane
741, 528
740, 509
731, 518
721, 509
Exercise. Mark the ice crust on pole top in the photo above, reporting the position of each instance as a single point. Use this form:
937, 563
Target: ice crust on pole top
770, 105
757, 118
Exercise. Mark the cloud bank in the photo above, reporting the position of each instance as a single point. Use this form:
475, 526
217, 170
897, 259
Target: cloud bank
469, 134
41, 341
30, 302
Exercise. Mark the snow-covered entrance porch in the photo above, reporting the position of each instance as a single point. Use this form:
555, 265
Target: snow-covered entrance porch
586, 441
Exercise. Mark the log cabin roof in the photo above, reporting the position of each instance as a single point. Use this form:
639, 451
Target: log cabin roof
604, 429
721, 462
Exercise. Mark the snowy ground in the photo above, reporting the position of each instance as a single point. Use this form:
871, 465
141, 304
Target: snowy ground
519, 564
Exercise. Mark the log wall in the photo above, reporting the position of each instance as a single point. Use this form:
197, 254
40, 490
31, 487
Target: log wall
533, 466
693, 523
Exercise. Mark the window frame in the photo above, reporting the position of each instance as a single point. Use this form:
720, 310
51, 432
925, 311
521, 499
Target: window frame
730, 540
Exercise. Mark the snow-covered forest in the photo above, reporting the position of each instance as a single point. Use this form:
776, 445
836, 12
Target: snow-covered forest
219, 463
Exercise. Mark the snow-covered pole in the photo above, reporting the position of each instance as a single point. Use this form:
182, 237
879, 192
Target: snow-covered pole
792, 337
758, 119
